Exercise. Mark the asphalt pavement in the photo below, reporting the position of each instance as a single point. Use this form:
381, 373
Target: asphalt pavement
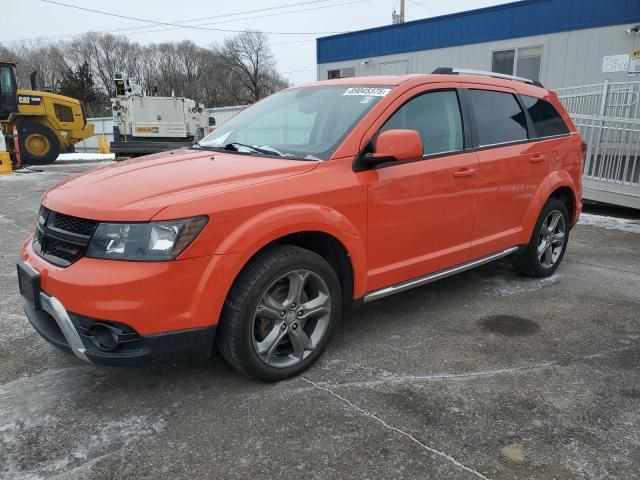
486, 375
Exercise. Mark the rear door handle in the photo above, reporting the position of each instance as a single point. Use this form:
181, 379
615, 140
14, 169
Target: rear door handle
465, 172
536, 158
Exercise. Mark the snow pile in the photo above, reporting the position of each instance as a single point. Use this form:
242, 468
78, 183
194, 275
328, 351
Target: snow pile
504, 286
610, 223
93, 157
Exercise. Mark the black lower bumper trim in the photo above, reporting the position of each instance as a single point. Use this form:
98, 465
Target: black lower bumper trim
161, 348
149, 349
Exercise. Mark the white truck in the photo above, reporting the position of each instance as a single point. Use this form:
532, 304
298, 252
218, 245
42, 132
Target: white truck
144, 124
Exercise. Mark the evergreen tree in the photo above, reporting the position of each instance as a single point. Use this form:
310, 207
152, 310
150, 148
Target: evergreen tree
78, 83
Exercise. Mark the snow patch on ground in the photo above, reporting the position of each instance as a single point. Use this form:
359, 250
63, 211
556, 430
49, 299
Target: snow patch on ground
29, 176
503, 286
65, 157
610, 223
32, 405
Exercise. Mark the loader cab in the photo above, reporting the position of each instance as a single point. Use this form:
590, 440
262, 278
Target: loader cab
8, 90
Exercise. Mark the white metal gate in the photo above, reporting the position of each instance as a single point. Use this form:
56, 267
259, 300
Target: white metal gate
608, 118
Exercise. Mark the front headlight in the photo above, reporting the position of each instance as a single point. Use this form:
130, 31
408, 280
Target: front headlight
152, 241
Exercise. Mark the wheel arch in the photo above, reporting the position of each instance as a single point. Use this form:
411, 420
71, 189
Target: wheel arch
566, 195
329, 248
317, 228
558, 184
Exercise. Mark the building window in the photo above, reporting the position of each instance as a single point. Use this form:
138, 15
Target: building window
523, 62
528, 64
341, 73
348, 72
503, 62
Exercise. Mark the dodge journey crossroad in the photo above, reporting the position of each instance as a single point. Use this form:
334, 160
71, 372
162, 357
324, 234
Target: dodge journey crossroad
259, 237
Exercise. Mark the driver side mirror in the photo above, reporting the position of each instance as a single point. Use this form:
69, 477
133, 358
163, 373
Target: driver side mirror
396, 145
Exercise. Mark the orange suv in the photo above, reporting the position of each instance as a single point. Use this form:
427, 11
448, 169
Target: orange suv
311, 201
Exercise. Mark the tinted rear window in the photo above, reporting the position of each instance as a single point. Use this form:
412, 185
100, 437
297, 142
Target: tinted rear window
547, 121
498, 116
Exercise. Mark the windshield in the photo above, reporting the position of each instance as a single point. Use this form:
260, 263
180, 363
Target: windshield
307, 123
7, 81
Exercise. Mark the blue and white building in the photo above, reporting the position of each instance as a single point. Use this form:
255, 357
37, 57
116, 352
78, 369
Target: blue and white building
558, 42
586, 50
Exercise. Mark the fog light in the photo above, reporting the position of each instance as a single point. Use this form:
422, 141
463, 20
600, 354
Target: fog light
104, 337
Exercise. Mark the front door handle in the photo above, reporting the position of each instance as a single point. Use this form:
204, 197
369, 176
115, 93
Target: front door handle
465, 172
536, 158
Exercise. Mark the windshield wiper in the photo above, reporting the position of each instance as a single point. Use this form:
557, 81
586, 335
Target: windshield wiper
197, 146
235, 146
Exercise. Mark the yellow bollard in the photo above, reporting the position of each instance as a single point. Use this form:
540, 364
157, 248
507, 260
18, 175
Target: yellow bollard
5, 164
103, 144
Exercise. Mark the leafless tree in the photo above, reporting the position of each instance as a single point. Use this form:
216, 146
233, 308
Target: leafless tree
249, 59
47, 60
241, 70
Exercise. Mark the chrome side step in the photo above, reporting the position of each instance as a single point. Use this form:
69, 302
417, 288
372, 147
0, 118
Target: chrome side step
432, 277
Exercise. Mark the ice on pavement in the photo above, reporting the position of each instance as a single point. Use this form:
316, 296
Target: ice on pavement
85, 156
611, 223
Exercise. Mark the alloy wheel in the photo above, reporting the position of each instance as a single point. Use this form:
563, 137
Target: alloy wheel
291, 318
552, 239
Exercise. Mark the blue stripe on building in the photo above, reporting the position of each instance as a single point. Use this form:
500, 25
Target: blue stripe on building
519, 19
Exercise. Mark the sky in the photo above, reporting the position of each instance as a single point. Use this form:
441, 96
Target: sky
294, 28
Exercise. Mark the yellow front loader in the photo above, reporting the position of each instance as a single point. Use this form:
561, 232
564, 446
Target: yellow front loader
46, 123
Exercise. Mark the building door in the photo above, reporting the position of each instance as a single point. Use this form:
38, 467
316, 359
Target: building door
421, 212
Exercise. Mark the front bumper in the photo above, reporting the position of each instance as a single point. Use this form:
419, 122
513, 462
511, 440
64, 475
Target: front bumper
76, 334
150, 297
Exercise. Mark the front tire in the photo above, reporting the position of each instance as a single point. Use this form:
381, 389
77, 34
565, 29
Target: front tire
280, 314
542, 256
39, 145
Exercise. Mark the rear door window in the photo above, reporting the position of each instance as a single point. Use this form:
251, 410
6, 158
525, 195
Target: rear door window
547, 122
498, 116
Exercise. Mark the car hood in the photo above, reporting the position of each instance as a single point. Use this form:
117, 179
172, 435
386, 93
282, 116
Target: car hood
137, 189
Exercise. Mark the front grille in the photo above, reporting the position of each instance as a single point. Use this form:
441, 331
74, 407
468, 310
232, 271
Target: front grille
62, 250
71, 224
62, 239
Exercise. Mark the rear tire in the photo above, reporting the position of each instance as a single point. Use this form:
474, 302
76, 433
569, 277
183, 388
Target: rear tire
542, 256
39, 145
280, 313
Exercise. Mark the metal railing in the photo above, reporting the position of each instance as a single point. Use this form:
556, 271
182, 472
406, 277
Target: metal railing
608, 118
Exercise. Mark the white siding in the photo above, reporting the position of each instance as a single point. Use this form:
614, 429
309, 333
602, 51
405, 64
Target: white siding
222, 114
568, 58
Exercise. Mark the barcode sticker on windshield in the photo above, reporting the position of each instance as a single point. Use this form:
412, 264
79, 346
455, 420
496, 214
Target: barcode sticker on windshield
367, 91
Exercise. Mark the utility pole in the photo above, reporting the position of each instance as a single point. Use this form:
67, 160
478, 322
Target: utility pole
398, 17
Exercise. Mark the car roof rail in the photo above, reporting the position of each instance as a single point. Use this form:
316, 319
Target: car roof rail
464, 71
